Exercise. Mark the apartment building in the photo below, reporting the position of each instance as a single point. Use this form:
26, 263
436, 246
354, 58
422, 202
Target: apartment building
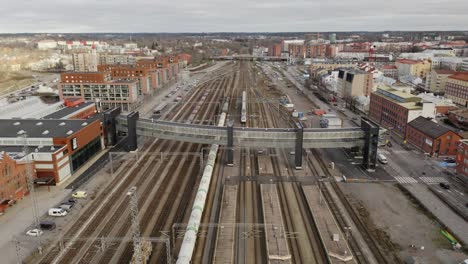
456, 88
436, 80
85, 61
106, 59
393, 108
274, 50
148, 79
432, 138
416, 68
107, 94
390, 71
353, 83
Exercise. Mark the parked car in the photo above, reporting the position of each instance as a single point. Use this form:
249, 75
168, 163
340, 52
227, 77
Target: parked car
66, 206
80, 194
34, 232
57, 212
444, 185
71, 200
450, 160
47, 225
382, 159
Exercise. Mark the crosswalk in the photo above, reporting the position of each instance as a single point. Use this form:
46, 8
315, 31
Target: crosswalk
433, 180
405, 180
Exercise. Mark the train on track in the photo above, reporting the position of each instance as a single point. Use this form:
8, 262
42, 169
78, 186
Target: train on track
244, 108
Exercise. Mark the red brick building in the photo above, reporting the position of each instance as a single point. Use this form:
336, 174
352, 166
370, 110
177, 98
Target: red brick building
148, 79
57, 147
13, 181
274, 50
459, 118
297, 50
84, 77
185, 57
431, 137
462, 157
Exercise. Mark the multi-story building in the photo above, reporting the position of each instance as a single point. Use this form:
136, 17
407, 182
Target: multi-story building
459, 118
331, 65
274, 50
108, 94
353, 83
186, 58
85, 61
390, 71
456, 88
416, 68
57, 147
435, 82
297, 50
13, 180
393, 108
147, 79
462, 157
84, 77
432, 138
317, 50
168, 65
442, 104
464, 66
285, 44
105, 59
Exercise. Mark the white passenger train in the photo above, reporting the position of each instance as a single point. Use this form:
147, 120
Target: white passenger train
244, 108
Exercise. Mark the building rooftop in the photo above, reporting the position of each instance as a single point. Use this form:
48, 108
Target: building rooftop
400, 97
389, 67
460, 76
442, 71
407, 61
67, 111
17, 152
461, 113
429, 127
41, 128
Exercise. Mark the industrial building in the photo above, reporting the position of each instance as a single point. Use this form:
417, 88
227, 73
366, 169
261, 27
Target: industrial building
393, 108
432, 138
57, 147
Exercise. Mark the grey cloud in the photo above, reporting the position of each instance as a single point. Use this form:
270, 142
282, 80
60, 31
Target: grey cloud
228, 15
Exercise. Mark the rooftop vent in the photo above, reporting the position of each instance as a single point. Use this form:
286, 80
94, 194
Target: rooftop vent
62, 124
39, 124
84, 124
16, 123
70, 132
45, 132
21, 132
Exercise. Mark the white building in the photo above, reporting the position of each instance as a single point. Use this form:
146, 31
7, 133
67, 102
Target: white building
85, 61
46, 44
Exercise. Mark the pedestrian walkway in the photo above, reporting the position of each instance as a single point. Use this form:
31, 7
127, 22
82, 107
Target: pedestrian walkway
405, 180
433, 180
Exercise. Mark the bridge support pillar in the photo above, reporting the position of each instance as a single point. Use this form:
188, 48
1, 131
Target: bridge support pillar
299, 145
132, 143
230, 144
371, 143
110, 138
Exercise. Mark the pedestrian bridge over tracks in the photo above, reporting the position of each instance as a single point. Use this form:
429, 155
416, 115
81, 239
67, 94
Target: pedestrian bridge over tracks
365, 137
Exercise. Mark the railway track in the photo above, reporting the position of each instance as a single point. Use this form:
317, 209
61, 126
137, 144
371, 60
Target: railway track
112, 219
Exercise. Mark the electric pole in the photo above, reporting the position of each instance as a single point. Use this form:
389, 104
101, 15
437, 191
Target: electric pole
135, 225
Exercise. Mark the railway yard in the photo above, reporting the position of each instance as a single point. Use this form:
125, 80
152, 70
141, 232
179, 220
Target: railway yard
260, 209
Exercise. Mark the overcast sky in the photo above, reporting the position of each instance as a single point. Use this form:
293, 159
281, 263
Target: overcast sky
231, 15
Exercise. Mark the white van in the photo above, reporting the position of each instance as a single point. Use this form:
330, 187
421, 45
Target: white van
57, 212
382, 159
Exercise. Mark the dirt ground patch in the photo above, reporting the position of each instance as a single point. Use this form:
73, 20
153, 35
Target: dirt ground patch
402, 221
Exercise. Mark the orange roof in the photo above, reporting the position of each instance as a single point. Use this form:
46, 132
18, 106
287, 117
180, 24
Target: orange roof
407, 61
389, 67
462, 76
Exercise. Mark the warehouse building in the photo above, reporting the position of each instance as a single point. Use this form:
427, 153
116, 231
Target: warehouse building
57, 147
431, 137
